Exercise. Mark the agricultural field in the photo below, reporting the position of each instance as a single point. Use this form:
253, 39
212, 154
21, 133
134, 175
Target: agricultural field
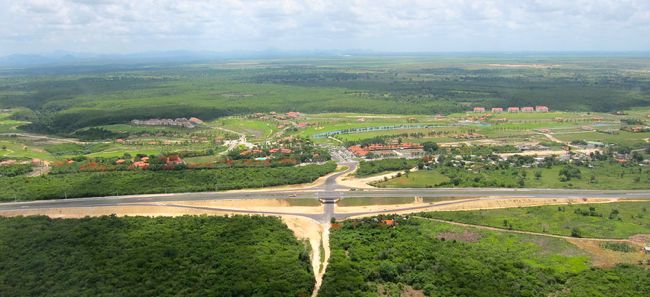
416, 257
143, 256
607, 220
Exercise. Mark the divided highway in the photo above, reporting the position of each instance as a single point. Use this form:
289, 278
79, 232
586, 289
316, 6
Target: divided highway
328, 192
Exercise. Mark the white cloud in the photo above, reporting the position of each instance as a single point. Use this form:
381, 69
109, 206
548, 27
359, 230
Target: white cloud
389, 25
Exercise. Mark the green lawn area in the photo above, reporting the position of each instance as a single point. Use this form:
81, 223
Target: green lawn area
11, 148
143, 256
417, 179
603, 222
256, 129
439, 259
606, 176
7, 125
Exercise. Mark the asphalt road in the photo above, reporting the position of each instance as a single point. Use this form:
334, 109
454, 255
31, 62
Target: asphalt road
329, 191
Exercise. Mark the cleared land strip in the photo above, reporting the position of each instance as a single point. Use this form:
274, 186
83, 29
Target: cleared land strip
529, 232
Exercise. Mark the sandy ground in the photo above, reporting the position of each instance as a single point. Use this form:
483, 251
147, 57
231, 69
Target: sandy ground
601, 257
277, 205
363, 183
549, 153
316, 234
472, 142
135, 210
486, 203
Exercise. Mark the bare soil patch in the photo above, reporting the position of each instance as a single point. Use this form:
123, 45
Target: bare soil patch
471, 204
465, 236
601, 257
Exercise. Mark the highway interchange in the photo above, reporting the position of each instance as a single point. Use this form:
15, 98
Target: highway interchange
328, 192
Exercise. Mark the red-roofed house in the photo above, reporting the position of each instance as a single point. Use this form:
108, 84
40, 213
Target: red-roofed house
358, 150
479, 109
293, 114
195, 120
497, 109
286, 151
527, 109
140, 164
513, 109
541, 108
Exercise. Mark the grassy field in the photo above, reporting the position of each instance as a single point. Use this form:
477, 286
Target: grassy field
606, 176
142, 256
608, 220
15, 148
424, 258
256, 130
629, 139
417, 179
7, 125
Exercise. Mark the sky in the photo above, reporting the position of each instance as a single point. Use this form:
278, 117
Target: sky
127, 26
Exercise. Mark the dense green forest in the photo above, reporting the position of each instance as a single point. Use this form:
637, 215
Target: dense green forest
367, 168
436, 259
89, 184
141, 256
63, 99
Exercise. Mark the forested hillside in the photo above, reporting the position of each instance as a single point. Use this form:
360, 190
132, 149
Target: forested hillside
140, 256
374, 257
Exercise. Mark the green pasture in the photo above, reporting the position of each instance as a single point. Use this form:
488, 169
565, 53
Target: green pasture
607, 220
629, 139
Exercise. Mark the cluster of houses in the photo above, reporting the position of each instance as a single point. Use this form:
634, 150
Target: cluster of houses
468, 136
277, 116
262, 155
143, 163
404, 150
538, 108
181, 122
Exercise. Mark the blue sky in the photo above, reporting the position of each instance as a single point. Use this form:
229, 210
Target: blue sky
124, 26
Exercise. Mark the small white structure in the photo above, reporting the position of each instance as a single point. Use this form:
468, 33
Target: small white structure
647, 249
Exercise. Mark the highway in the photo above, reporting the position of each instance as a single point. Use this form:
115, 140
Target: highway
328, 192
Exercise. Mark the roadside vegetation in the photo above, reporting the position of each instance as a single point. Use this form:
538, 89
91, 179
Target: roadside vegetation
614, 168
15, 170
380, 257
89, 184
602, 220
367, 168
141, 256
